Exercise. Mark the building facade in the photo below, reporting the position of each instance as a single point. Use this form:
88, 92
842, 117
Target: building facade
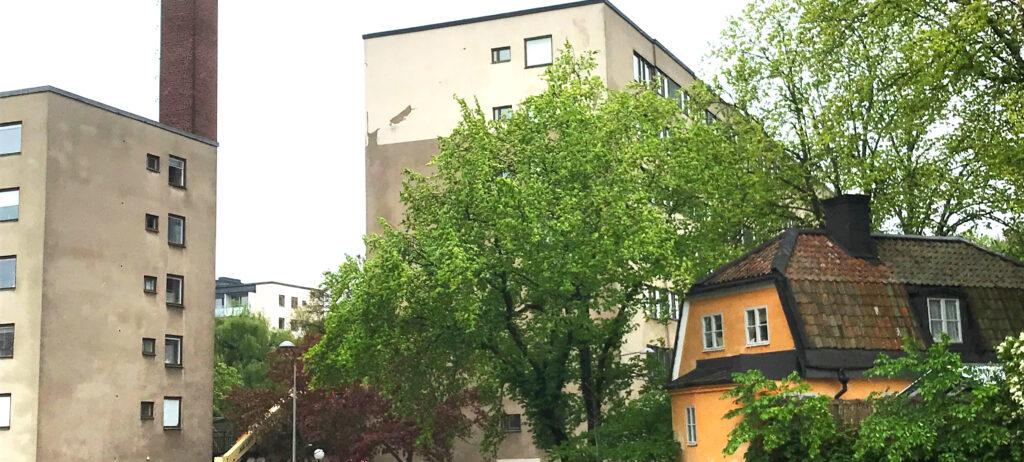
275, 301
825, 304
107, 243
106, 257
411, 75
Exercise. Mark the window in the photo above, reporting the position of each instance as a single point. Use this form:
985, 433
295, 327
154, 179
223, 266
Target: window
176, 171
5, 410
757, 326
9, 204
6, 340
152, 223
280, 300
149, 284
294, 325
501, 55
944, 318
538, 51
691, 426
8, 269
713, 332
512, 423
661, 303
176, 230
642, 70
149, 347
172, 413
146, 410
175, 290
685, 101
172, 351
153, 165
502, 112
295, 302
10, 138
669, 87
280, 323
709, 116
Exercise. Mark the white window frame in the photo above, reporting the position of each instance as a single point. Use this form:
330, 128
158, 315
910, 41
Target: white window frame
16, 126
171, 160
14, 275
944, 321
179, 294
171, 218
704, 332
691, 425
12, 198
178, 351
550, 54
758, 322
174, 401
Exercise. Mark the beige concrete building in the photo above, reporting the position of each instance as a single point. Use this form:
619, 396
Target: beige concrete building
411, 75
109, 247
107, 235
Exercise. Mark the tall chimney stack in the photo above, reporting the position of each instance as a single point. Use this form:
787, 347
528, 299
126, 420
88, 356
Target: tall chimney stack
188, 66
848, 223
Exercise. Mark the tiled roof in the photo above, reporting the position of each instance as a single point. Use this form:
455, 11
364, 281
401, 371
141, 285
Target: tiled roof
845, 302
757, 262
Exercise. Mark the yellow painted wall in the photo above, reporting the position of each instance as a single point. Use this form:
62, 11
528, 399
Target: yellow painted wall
857, 388
733, 308
712, 428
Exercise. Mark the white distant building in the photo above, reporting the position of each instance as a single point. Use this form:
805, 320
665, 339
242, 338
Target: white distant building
275, 301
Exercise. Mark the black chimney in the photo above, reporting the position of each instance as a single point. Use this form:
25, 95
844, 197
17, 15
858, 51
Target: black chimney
848, 223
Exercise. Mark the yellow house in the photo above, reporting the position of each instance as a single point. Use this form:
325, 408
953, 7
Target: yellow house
826, 303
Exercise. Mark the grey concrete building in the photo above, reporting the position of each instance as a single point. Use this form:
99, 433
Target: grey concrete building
107, 231
412, 73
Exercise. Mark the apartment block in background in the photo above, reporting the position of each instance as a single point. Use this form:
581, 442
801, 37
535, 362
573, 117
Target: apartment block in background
274, 301
107, 235
411, 75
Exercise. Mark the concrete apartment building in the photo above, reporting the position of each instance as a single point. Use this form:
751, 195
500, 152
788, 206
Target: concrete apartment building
274, 301
107, 225
411, 75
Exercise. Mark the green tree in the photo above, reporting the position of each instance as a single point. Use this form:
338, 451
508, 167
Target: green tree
854, 106
225, 378
781, 420
954, 413
241, 345
520, 265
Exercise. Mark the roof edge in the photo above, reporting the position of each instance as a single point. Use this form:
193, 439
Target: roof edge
543, 9
253, 284
950, 239
108, 108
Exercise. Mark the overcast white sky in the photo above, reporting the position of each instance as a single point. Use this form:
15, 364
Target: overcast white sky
291, 197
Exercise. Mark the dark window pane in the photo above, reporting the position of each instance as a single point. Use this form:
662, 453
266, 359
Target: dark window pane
7, 341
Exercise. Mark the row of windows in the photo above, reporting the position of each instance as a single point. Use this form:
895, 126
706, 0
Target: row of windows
171, 415
661, 303
644, 71
756, 326
536, 50
175, 228
175, 169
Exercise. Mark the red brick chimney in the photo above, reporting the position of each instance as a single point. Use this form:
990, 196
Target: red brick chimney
188, 66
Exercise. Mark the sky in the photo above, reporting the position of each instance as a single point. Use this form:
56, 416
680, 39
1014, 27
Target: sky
291, 121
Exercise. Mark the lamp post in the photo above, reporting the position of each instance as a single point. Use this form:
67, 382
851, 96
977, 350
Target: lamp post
318, 454
291, 347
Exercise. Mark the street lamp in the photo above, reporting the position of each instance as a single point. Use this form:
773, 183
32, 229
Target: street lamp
318, 454
295, 395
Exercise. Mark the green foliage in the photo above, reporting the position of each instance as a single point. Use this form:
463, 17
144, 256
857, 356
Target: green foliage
519, 266
853, 103
638, 431
954, 413
225, 378
242, 343
782, 421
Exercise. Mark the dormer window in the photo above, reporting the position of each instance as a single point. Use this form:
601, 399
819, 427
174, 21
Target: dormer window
944, 318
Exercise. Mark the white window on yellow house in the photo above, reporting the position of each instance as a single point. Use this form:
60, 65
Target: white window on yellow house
691, 426
757, 326
713, 332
